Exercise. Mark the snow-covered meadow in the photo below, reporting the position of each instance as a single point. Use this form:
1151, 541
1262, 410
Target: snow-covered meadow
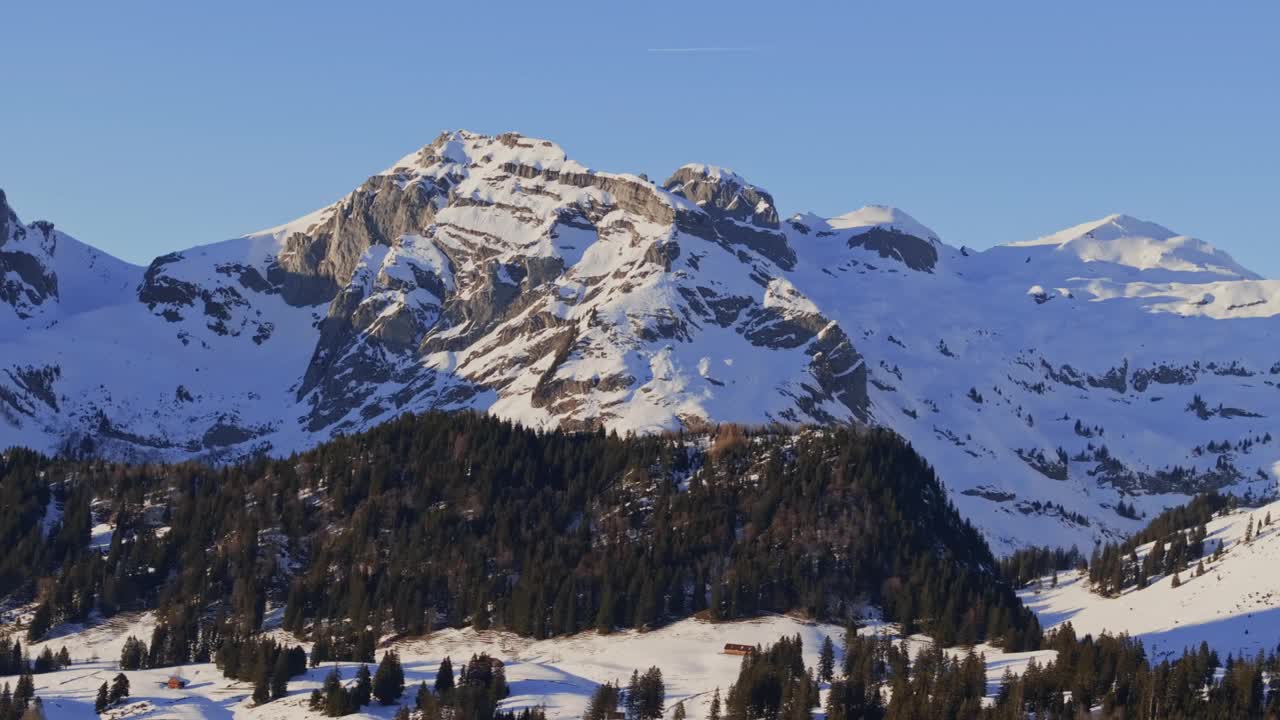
557, 674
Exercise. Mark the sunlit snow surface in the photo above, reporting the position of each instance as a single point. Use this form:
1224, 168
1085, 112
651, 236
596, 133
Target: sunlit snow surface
1049, 333
558, 674
1234, 606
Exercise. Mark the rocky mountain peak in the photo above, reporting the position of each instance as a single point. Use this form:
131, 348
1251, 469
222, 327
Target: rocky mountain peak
492, 272
8, 219
724, 194
886, 231
28, 282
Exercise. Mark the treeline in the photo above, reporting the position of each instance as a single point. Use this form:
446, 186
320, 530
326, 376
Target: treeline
1028, 564
1178, 536
18, 702
460, 519
773, 683
15, 661
474, 693
335, 700
1115, 675
1108, 677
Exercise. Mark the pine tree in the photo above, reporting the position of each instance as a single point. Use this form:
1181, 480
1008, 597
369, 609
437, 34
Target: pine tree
101, 703
1177, 581
827, 660
388, 681
133, 655
679, 713
320, 653
646, 695
362, 691
444, 677
24, 691
632, 697
1248, 531
280, 676
45, 661
334, 697
119, 688
261, 690
603, 703
40, 622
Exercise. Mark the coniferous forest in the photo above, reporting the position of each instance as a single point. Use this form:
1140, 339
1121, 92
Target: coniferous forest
1108, 677
449, 520
440, 520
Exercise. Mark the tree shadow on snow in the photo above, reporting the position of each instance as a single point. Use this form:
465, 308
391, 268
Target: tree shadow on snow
1240, 635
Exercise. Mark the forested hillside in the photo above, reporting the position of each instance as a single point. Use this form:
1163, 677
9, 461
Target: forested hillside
460, 519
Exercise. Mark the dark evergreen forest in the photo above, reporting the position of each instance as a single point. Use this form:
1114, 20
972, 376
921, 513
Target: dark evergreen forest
455, 519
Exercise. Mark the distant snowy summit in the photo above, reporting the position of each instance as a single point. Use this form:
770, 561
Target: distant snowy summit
1046, 380
1141, 245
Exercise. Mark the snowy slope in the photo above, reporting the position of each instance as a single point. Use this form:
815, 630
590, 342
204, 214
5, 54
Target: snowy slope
493, 272
558, 674
1234, 606
1144, 246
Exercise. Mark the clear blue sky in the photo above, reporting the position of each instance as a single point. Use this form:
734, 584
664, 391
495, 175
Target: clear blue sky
148, 127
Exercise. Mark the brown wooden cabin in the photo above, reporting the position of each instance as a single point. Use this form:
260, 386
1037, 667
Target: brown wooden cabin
736, 649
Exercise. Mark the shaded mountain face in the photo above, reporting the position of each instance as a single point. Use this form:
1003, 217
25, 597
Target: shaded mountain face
1046, 380
29, 287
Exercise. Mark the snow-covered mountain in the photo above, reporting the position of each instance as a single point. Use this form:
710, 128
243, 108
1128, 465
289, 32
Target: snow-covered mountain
1046, 380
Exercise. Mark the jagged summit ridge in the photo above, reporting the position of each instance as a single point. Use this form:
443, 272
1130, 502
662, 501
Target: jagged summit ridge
496, 273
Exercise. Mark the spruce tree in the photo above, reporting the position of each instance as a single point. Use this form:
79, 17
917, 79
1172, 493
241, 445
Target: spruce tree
24, 691
261, 690
603, 702
827, 660
280, 676
388, 681
40, 622
444, 677
133, 655
102, 701
334, 701
119, 688
362, 691
713, 713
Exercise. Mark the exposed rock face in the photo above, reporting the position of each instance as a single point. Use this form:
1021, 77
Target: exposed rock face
315, 264
916, 253
535, 279
737, 212
27, 279
494, 273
